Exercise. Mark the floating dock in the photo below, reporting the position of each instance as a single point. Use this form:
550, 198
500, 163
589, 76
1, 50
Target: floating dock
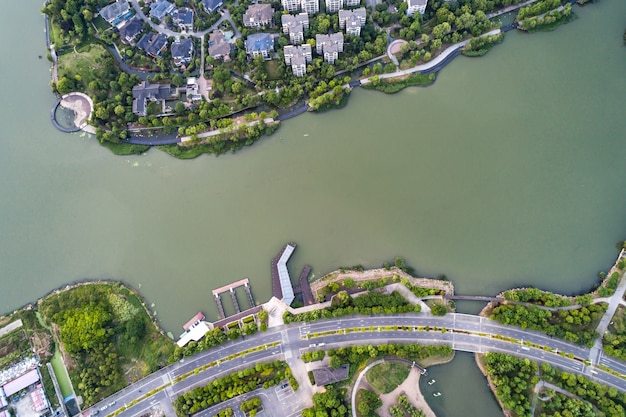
281, 282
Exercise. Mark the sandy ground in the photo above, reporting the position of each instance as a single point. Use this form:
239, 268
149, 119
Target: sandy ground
410, 387
80, 106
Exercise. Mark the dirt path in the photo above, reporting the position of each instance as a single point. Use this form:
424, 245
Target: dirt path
410, 387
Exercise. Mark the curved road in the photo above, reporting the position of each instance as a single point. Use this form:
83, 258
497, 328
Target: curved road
464, 332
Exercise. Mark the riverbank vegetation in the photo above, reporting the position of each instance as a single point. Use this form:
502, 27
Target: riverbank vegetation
481, 45
264, 375
107, 337
514, 380
548, 21
576, 325
391, 86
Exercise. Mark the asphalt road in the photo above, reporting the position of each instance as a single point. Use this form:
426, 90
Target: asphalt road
464, 333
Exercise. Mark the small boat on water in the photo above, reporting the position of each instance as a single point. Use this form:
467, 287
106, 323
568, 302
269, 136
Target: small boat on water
437, 394
431, 382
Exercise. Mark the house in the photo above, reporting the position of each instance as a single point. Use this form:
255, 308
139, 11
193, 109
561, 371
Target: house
295, 25
182, 52
183, 18
211, 6
218, 47
325, 376
160, 8
260, 44
416, 6
116, 13
154, 44
297, 57
330, 46
258, 15
307, 6
352, 20
333, 6
130, 30
146, 91
193, 93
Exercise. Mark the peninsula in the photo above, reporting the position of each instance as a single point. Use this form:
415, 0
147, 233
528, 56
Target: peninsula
209, 76
342, 345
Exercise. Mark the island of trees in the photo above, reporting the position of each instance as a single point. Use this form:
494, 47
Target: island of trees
218, 105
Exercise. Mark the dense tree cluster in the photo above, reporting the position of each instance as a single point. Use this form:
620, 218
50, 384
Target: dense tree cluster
536, 296
330, 403
538, 8
102, 330
355, 355
251, 407
344, 305
262, 375
313, 356
548, 21
367, 402
514, 379
614, 340
481, 45
404, 408
577, 326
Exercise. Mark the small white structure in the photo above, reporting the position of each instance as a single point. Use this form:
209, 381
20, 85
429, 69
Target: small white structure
195, 333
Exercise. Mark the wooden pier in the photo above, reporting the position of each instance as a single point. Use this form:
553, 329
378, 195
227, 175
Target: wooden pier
220, 307
305, 287
233, 296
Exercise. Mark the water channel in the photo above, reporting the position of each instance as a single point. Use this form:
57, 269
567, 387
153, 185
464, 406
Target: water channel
508, 171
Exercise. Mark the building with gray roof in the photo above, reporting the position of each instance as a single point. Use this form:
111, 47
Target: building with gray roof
326, 376
258, 15
352, 20
416, 6
182, 52
183, 18
130, 30
211, 6
219, 48
153, 43
260, 44
152, 92
161, 8
116, 13
295, 25
298, 57
330, 46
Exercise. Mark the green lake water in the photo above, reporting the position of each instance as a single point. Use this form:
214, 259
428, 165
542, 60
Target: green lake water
508, 171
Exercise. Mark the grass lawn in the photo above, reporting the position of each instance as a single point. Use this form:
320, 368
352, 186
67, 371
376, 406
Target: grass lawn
385, 377
82, 64
272, 67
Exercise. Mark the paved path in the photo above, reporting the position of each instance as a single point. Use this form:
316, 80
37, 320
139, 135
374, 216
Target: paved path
355, 388
10, 327
434, 63
390, 53
510, 8
614, 301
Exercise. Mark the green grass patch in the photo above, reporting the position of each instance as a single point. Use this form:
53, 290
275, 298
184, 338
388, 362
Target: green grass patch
61, 375
272, 69
83, 66
386, 376
101, 24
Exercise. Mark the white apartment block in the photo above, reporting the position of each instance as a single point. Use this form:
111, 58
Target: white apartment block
352, 20
298, 57
416, 6
333, 6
